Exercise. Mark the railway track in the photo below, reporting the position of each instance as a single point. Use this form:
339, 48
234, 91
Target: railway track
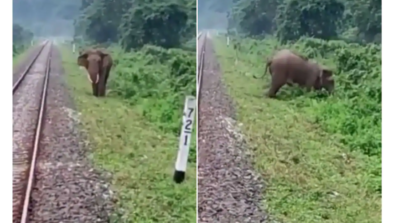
201, 60
25, 153
229, 190
53, 178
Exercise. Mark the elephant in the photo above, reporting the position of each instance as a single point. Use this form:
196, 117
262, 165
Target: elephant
98, 63
288, 67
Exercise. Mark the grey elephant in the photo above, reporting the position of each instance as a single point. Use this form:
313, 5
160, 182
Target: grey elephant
288, 67
98, 64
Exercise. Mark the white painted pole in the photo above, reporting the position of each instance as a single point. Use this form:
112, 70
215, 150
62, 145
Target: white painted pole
185, 139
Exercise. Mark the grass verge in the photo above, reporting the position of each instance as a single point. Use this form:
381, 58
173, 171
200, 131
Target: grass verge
311, 176
20, 56
139, 155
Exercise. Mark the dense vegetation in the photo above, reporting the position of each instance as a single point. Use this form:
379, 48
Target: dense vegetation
320, 155
344, 35
153, 47
21, 38
355, 112
46, 17
136, 23
357, 20
154, 51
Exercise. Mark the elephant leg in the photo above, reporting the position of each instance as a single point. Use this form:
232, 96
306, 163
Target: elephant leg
101, 85
308, 88
95, 89
276, 83
107, 74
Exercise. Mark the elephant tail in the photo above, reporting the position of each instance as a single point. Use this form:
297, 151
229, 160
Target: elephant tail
267, 66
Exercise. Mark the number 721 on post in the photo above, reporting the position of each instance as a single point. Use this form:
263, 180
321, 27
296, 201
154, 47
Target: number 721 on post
185, 139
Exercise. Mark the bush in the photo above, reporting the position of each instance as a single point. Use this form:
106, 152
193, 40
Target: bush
156, 80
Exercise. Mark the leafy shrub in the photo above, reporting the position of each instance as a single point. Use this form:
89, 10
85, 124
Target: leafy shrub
156, 80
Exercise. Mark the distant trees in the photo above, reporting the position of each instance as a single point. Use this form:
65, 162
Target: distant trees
21, 37
357, 20
46, 17
136, 23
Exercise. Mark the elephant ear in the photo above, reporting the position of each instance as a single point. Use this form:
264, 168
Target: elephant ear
105, 57
82, 60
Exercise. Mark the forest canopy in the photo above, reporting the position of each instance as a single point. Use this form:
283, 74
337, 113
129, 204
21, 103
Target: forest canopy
355, 20
136, 23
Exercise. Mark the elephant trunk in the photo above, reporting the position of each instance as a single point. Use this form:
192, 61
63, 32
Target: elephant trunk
95, 80
330, 88
93, 74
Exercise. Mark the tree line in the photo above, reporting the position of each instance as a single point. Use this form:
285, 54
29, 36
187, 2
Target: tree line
21, 38
134, 23
288, 20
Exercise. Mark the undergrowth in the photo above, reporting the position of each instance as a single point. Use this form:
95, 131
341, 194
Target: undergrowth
134, 130
307, 143
156, 80
355, 109
19, 52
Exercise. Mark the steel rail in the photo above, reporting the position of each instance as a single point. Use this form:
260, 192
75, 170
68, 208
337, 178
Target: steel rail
26, 71
39, 126
201, 61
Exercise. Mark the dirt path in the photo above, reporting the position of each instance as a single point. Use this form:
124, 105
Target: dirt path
67, 189
229, 190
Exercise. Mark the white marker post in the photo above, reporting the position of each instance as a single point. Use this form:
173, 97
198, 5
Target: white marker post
185, 138
74, 48
228, 40
31, 42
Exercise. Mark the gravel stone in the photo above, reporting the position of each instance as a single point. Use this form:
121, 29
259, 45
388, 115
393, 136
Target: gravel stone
229, 191
67, 188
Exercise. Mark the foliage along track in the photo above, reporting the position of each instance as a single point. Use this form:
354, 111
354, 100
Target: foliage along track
303, 142
134, 136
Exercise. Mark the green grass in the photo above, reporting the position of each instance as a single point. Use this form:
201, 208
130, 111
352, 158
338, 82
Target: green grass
18, 57
311, 176
137, 152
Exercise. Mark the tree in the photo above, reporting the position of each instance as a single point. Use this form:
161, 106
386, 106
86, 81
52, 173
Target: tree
21, 35
367, 16
313, 18
136, 23
159, 25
